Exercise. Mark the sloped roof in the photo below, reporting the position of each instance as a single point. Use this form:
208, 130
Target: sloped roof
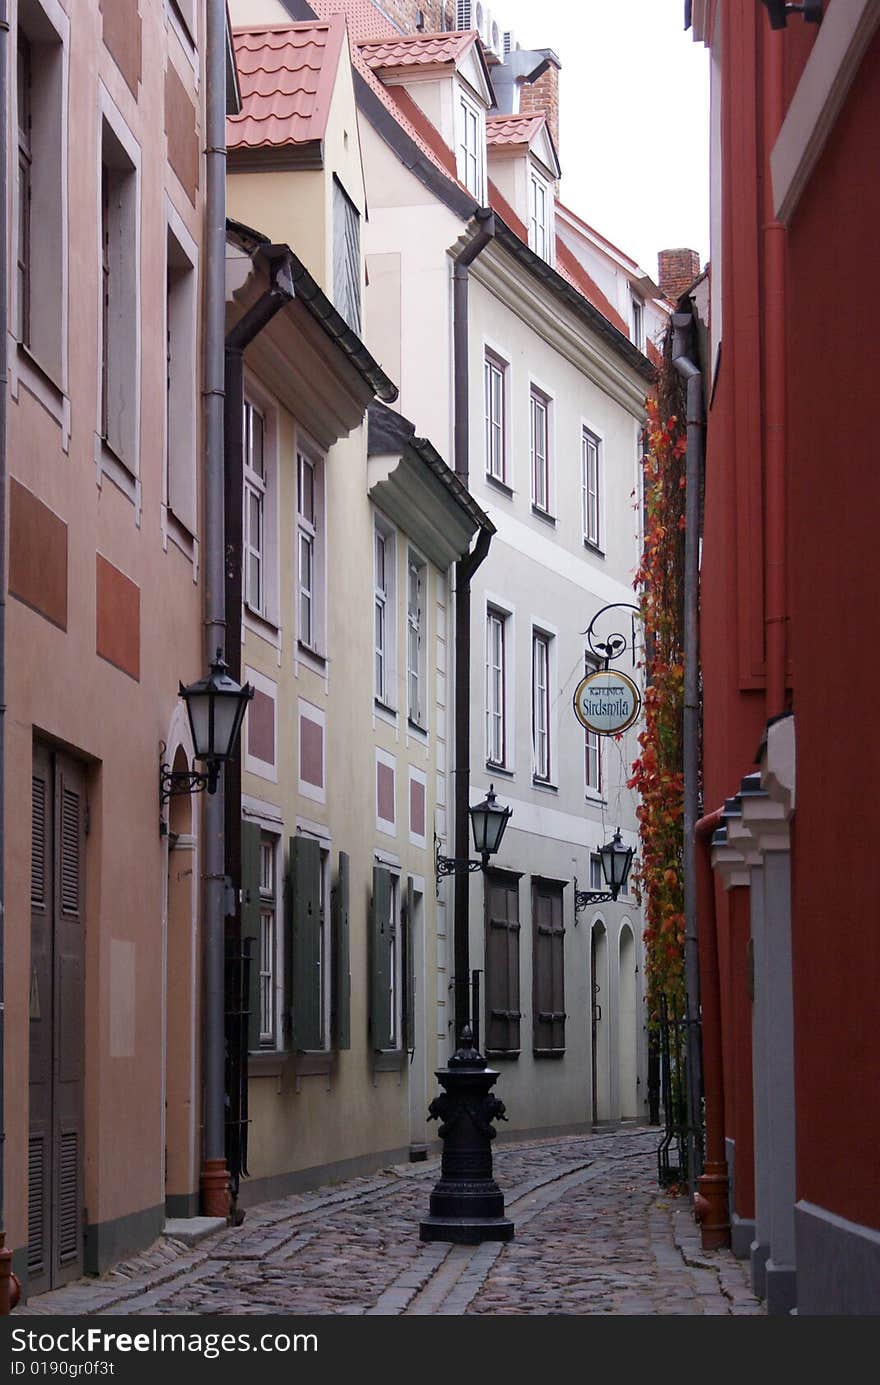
423, 50
513, 129
286, 76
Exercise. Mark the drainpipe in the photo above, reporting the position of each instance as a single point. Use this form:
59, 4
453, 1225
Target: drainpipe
775, 610
279, 293
9, 1287
711, 1207
214, 1180
464, 571
682, 323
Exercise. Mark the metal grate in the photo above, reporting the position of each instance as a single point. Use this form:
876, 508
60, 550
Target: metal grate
36, 1250
38, 843
68, 1201
70, 843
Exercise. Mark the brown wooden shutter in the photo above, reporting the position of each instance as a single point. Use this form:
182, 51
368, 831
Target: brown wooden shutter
305, 899
548, 939
409, 969
381, 943
340, 1024
502, 964
250, 924
40, 1008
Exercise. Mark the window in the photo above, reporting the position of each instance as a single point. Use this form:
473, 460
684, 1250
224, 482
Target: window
180, 381
596, 880
415, 645
310, 942
592, 751
386, 963
383, 618
346, 257
470, 147
590, 488
502, 964
268, 941
119, 299
38, 312
539, 406
539, 217
494, 403
310, 530
496, 691
254, 522
638, 323
541, 707
548, 972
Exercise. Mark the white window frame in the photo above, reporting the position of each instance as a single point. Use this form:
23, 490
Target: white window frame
593, 786
495, 425
255, 489
540, 406
497, 693
385, 615
540, 216
542, 705
271, 985
181, 395
591, 488
416, 640
257, 618
637, 309
311, 532
470, 145
395, 968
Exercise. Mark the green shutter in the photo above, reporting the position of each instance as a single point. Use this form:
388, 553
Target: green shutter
304, 895
341, 1019
250, 923
409, 969
381, 943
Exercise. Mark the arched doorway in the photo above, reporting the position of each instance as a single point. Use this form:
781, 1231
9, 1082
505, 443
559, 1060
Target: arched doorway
601, 1074
626, 1026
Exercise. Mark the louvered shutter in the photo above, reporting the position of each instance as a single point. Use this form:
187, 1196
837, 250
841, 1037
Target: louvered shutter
409, 969
502, 965
381, 944
69, 1035
40, 1009
346, 257
250, 925
304, 894
548, 975
341, 1018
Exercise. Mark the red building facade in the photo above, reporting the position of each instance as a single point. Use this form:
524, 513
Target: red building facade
789, 667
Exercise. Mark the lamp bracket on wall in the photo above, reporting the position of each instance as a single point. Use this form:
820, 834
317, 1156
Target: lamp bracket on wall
606, 645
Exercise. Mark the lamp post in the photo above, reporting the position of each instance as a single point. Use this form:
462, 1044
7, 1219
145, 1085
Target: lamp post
467, 1206
616, 861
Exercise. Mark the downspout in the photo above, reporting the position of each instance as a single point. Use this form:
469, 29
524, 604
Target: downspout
279, 293
711, 1207
775, 609
464, 571
690, 371
214, 1180
9, 1287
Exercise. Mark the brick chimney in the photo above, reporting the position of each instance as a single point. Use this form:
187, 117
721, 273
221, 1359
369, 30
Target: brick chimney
676, 271
542, 96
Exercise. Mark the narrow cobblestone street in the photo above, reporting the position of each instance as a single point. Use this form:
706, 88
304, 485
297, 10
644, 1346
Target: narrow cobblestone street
594, 1235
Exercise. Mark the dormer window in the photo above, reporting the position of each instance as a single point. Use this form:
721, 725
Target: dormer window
539, 216
471, 146
638, 323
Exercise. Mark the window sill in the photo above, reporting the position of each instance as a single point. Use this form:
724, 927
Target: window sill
389, 1060
268, 1063
387, 713
497, 484
311, 657
595, 797
180, 535
261, 625
505, 773
594, 548
313, 1063
543, 515
545, 785
116, 469
548, 1052
509, 1054
416, 729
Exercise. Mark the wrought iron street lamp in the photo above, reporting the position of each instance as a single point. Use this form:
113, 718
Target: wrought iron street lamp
215, 706
488, 821
616, 861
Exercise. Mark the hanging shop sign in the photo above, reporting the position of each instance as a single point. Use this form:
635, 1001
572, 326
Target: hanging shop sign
606, 702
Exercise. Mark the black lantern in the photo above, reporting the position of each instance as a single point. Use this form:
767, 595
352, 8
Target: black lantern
215, 706
488, 821
616, 861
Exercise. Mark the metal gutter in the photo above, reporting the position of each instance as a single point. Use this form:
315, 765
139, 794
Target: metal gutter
389, 431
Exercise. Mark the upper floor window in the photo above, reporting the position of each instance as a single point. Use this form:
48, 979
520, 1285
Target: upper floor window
539, 409
384, 624
541, 706
471, 142
638, 323
25, 160
494, 404
180, 381
415, 644
590, 459
592, 751
310, 531
268, 960
119, 299
346, 257
496, 687
539, 216
255, 508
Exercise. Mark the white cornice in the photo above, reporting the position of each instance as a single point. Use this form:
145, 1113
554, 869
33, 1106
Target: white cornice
559, 327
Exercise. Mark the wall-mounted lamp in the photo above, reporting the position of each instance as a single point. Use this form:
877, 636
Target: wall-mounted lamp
215, 706
488, 821
616, 861
779, 10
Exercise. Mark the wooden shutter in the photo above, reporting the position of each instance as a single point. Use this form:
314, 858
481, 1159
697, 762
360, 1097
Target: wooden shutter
502, 965
40, 1009
381, 943
69, 1018
340, 1025
548, 933
304, 894
409, 969
250, 924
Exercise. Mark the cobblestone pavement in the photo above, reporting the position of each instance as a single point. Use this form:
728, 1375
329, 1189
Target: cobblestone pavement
593, 1235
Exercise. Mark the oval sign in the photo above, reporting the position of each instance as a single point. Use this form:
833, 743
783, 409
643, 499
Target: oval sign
606, 702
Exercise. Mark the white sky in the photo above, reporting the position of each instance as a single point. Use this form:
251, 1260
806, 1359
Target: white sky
634, 117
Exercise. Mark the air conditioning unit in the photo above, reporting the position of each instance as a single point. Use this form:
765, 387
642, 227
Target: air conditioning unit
490, 32
508, 43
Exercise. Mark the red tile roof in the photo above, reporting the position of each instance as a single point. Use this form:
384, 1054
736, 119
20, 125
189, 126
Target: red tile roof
513, 129
286, 76
570, 267
421, 50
